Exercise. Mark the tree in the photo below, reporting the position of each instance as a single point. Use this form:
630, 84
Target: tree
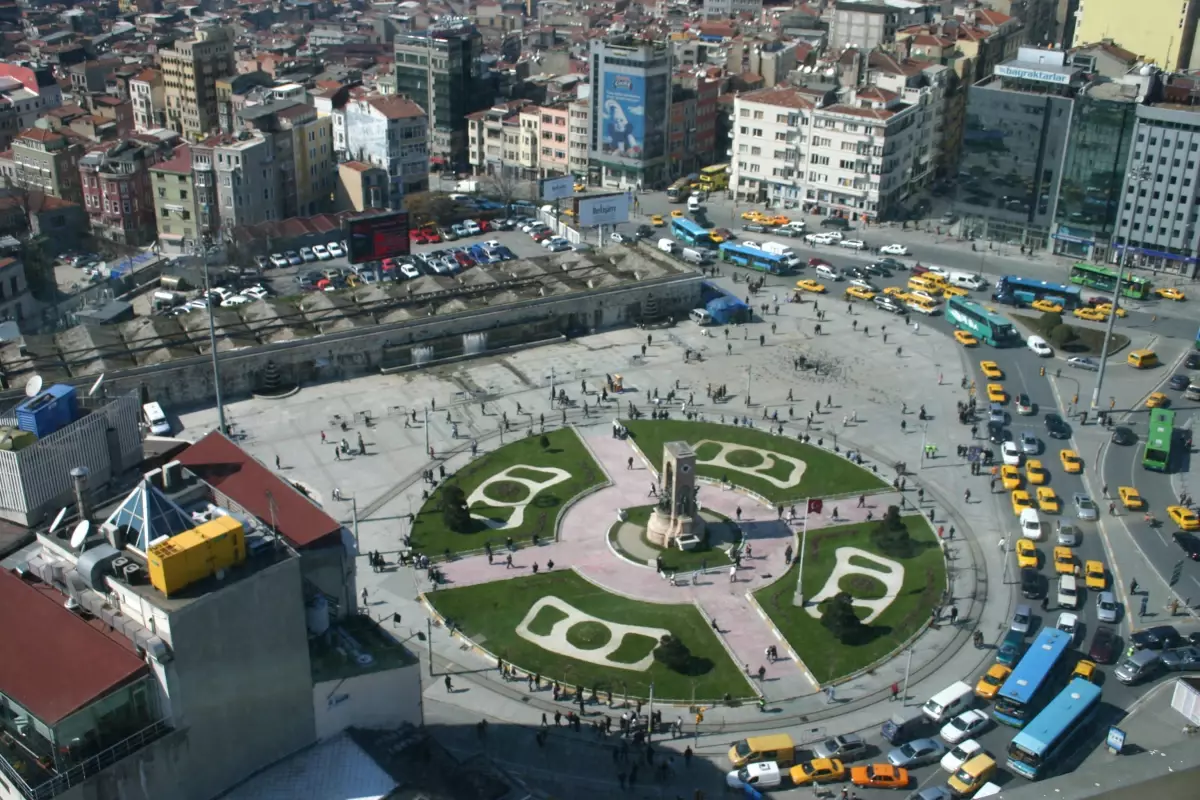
673, 654
1049, 321
1062, 336
839, 618
426, 207
455, 514
504, 185
891, 535
545, 442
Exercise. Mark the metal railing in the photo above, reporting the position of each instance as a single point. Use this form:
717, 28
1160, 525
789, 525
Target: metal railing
89, 767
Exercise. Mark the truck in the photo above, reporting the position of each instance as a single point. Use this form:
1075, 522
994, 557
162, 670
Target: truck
471, 186
775, 248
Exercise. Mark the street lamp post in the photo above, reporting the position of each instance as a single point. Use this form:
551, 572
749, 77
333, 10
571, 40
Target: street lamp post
803, 548
212, 340
907, 670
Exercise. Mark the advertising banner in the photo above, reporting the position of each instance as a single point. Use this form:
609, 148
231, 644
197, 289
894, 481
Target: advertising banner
623, 115
558, 188
605, 210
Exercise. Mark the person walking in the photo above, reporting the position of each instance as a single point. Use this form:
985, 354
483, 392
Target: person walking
895, 691
966, 495
953, 614
449, 684
733, 573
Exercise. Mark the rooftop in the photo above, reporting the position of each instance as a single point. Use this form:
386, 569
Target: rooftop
776, 96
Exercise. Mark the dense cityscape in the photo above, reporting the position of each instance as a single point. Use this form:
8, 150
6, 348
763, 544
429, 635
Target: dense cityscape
501, 400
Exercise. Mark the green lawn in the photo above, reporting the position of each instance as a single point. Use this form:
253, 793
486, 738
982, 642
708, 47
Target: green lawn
489, 614
432, 537
707, 554
825, 474
824, 655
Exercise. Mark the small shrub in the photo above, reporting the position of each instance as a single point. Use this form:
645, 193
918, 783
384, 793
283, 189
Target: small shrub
1062, 336
891, 535
455, 514
839, 618
544, 442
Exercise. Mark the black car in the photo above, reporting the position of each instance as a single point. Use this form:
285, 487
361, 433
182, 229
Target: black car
1189, 542
1031, 583
1182, 659
1159, 637
644, 232
1124, 436
837, 223
1057, 428
1178, 382
891, 263
754, 227
1104, 645
878, 270
1193, 361
997, 433
854, 273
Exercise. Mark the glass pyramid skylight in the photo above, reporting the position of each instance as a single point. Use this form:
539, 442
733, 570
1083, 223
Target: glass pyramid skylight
147, 515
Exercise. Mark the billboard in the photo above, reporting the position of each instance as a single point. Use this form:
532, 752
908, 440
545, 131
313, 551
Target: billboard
623, 115
609, 209
558, 188
375, 237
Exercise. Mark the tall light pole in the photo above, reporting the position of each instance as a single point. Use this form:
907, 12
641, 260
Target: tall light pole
907, 671
803, 548
1136, 176
212, 339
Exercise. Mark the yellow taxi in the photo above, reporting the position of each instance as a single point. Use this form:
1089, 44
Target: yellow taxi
1046, 306
808, 285
1064, 561
995, 393
1010, 477
991, 681
897, 292
1184, 517
677, 213
819, 770
1107, 308
1035, 473
954, 291
1094, 576
716, 237
568, 212
1071, 462
579, 187
1085, 669
1027, 553
1020, 501
965, 339
1090, 314
657, 221
879, 776
1158, 400
859, 293
752, 216
991, 369
1130, 498
778, 219
1047, 500
1167, 293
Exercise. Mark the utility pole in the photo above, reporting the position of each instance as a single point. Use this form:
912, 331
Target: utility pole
426, 430
803, 548
212, 340
748, 370
650, 727
354, 520
907, 670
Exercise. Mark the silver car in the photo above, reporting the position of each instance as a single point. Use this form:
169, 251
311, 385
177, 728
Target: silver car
846, 748
1085, 509
1068, 536
1106, 607
1022, 619
1030, 445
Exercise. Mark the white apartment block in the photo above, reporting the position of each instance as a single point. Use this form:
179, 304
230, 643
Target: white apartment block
390, 132
578, 135
768, 134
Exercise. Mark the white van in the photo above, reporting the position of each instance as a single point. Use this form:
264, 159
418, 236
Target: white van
967, 280
156, 420
694, 203
949, 702
1068, 591
1031, 525
666, 245
828, 273
778, 249
700, 316
1040, 346
694, 256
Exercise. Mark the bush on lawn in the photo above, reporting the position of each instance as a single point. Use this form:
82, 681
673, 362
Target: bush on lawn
839, 618
545, 442
455, 514
1063, 336
891, 535
1048, 321
673, 654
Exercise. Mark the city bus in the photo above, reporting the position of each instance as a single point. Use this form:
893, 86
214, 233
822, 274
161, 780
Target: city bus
1105, 280
1014, 290
691, 234
679, 191
714, 178
991, 328
1025, 688
1158, 440
753, 258
1043, 739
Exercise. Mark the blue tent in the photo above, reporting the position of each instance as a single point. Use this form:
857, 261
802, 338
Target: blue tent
727, 309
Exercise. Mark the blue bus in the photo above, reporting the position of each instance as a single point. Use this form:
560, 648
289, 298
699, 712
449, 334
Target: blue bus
1021, 694
1071, 712
691, 234
1014, 290
757, 259
991, 328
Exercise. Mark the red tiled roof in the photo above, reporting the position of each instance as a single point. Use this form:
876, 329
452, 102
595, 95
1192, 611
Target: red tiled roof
56, 663
180, 162
235, 474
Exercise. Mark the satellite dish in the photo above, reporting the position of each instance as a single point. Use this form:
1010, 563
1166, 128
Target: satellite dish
58, 518
34, 386
96, 385
80, 533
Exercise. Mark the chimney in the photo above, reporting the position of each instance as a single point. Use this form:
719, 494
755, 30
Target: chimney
79, 477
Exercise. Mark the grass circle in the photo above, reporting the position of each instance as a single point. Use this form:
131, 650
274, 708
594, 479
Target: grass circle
507, 491
589, 635
746, 459
863, 587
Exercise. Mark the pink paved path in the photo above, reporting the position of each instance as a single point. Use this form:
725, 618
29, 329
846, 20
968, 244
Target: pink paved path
584, 547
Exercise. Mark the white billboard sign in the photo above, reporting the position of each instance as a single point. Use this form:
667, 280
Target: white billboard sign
558, 188
605, 210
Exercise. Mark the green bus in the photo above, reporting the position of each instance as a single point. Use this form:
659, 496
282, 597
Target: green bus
1103, 279
1158, 441
991, 328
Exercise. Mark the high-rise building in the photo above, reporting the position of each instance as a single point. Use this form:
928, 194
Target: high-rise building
630, 109
1162, 31
190, 70
439, 69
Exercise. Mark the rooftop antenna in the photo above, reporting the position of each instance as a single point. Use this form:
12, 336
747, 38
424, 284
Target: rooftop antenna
34, 386
96, 385
79, 535
58, 518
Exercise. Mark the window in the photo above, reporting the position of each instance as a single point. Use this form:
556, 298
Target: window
757, 132
758, 115
756, 151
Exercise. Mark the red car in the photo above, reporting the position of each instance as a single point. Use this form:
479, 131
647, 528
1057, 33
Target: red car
817, 262
431, 235
542, 236
484, 226
417, 236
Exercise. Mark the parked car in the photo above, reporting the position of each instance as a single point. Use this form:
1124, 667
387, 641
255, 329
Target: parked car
307, 253
1104, 645
335, 249
279, 260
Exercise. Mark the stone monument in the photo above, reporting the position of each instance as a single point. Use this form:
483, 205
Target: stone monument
676, 521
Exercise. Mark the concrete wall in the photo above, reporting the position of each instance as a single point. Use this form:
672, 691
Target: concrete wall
380, 700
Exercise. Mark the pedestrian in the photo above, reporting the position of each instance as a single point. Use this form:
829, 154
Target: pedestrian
508, 564
1046, 603
629, 463
966, 495
364, 596
895, 690
1003, 543
449, 684
687, 755
762, 673
830, 694
733, 573
738, 512
953, 614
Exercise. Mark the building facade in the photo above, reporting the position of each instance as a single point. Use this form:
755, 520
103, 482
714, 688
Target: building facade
247, 179
117, 193
578, 136
148, 96
1161, 31
390, 132
176, 209
46, 161
27, 91
553, 147
630, 112
190, 71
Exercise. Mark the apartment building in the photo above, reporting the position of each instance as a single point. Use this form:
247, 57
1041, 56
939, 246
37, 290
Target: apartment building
630, 112
486, 137
391, 132
360, 187
770, 136
972, 46
190, 71
553, 133
27, 91
868, 25
117, 191
148, 95
723, 9
1162, 31
304, 144
578, 134
693, 126
938, 92
246, 171
176, 208
46, 161
1038, 18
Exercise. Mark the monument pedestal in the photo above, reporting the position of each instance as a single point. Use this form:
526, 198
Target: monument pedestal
664, 528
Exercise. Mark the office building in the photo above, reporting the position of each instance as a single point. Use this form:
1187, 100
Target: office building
629, 113
439, 69
390, 132
1161, 31
190, 71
